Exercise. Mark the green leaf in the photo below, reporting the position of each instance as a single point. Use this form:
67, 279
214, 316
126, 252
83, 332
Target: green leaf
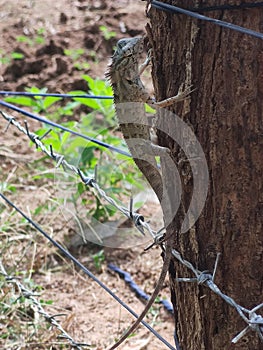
87, 155
107, 33
24, 39
75, 144
65, 136
70, 106
81, 188
5, 186
89, 80
21, 100
39, 40
36, 89
50, 100
90, 102
41, 31
46, 302
17, 55
21, 38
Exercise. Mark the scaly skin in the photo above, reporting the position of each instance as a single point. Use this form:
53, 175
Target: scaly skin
129, 98
124, 74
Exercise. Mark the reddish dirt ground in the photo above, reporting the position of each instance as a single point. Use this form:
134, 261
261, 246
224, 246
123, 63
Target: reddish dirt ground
92, 316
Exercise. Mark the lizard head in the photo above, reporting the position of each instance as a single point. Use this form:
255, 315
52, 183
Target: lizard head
124, 71
129, 46
127, 54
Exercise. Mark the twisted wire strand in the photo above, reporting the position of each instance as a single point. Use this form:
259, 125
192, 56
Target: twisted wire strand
254, 321
64, 128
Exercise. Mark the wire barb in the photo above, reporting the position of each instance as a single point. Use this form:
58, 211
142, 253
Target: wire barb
64, 128
254, 321
88, 181
45, 134
9, 122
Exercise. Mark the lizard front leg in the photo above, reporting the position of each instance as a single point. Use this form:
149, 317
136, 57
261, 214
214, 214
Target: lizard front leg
146, 63
181, 96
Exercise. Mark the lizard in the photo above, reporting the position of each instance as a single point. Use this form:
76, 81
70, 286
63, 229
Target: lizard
124, 74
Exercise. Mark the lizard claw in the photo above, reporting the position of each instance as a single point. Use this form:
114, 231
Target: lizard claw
150, 55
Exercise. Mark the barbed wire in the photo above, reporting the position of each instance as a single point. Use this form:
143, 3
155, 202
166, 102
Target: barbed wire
253, 320
174, 9
137, 219
28, 294
85, 270
64, 128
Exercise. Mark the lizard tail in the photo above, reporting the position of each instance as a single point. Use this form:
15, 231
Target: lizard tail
152, 175
155, 293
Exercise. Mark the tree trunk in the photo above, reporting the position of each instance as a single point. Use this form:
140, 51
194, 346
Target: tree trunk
225, 113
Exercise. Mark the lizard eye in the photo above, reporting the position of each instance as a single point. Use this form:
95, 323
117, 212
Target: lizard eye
128, 52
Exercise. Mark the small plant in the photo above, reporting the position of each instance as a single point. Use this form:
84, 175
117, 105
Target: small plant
82, 65
108, 34
103, 106
74, 54
155, 311
41, 104
19, 318
24, 39
115, 171
6, 187
98, 259
39, 39
6, 59
17, 55
93, 55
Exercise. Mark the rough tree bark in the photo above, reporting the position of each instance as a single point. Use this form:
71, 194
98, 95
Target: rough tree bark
225, 113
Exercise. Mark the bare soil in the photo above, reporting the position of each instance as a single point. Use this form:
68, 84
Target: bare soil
90, 314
